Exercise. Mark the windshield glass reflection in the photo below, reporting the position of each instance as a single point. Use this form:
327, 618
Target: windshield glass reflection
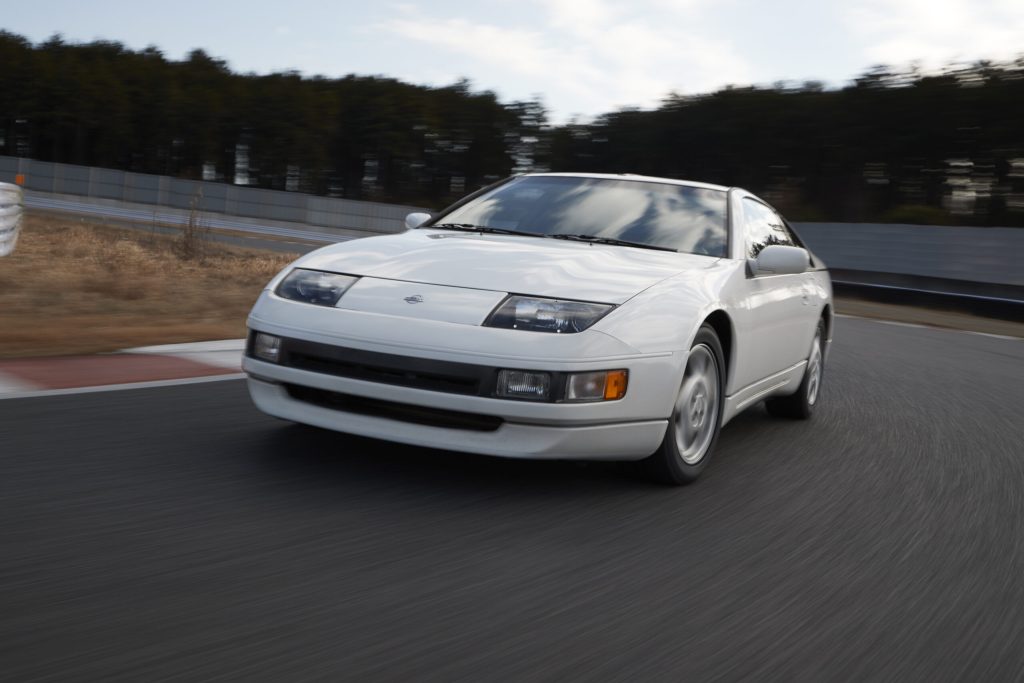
680, 217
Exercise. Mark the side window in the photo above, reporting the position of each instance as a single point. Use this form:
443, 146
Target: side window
762, 227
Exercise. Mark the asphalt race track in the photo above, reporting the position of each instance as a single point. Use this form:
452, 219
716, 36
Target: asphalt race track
175, 533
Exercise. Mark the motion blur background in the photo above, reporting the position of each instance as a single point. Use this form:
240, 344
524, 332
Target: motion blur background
790, 104
907, 177
174, 156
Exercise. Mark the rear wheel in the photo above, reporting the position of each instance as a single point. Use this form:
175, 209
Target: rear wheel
800, 405
696, 415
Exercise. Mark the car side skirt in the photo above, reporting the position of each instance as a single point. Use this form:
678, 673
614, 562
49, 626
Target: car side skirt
781, 383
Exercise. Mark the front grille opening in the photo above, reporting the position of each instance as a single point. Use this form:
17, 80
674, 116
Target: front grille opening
374, 373
403, 412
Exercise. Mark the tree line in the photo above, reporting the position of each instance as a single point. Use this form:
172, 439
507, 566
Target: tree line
899, 146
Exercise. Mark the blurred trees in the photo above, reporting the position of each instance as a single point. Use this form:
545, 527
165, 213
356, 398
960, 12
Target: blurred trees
899, 146
941, 148
101, 104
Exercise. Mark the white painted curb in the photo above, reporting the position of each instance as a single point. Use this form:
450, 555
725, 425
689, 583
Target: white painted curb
191, 347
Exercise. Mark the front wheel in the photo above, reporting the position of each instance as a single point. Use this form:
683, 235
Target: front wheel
696, 415
800, 405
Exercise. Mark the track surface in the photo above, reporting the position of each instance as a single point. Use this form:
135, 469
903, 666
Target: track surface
176, 533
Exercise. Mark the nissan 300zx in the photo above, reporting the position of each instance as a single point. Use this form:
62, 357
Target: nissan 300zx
570, 316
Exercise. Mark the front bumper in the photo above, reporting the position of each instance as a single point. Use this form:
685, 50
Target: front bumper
627, 429
620, 441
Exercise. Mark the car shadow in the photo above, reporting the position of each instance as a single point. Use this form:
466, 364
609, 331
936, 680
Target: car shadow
303, 453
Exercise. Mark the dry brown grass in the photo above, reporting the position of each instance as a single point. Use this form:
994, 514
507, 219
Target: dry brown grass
74, 287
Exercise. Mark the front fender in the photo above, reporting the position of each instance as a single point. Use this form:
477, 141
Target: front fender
666, 316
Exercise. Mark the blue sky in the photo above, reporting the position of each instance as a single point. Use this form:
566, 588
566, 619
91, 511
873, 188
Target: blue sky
582, 57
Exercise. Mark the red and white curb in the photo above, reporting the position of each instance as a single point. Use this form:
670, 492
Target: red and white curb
128, 369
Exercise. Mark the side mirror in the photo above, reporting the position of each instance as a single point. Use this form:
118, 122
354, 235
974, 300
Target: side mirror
415, 220
779, 259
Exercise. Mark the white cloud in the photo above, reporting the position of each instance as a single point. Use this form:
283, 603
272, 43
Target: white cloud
581, 17
585, 56
935, 32
518, 51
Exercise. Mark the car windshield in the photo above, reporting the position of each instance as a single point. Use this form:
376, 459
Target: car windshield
642, 213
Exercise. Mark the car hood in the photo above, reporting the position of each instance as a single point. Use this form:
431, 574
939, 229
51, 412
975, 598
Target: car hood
506, 263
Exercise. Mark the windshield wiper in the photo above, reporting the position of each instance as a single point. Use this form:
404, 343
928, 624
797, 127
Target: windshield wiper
608, 240
469, 227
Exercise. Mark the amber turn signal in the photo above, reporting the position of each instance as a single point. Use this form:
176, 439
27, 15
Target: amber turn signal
615, 384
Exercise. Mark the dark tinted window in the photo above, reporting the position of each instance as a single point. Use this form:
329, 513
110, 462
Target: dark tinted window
761, 227
679, 217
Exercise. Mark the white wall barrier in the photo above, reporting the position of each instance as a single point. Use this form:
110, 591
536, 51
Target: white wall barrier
209, 197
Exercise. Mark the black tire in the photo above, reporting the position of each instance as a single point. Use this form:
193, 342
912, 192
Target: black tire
800, 406
668, 465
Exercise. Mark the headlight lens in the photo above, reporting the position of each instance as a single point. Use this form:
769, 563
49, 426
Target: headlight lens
546, 315
314, 286
266, 347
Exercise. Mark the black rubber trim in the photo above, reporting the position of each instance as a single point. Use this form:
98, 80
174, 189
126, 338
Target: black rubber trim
447, 377
402, 412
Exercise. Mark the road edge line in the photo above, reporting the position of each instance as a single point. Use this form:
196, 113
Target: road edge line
930, 327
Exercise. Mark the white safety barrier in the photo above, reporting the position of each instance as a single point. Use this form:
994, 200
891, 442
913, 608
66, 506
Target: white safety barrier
11, 207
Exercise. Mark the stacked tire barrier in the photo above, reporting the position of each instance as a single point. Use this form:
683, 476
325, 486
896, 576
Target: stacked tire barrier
11, 209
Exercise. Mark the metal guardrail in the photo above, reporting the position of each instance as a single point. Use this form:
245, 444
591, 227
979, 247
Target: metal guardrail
11, 210
1003, 307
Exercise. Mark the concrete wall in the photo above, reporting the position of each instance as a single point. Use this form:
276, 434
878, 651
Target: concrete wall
233, 200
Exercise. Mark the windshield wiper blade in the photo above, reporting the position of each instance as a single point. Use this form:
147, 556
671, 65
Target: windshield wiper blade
469, 227
608, 240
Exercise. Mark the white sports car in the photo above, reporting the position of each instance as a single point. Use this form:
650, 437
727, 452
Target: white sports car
552, 315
